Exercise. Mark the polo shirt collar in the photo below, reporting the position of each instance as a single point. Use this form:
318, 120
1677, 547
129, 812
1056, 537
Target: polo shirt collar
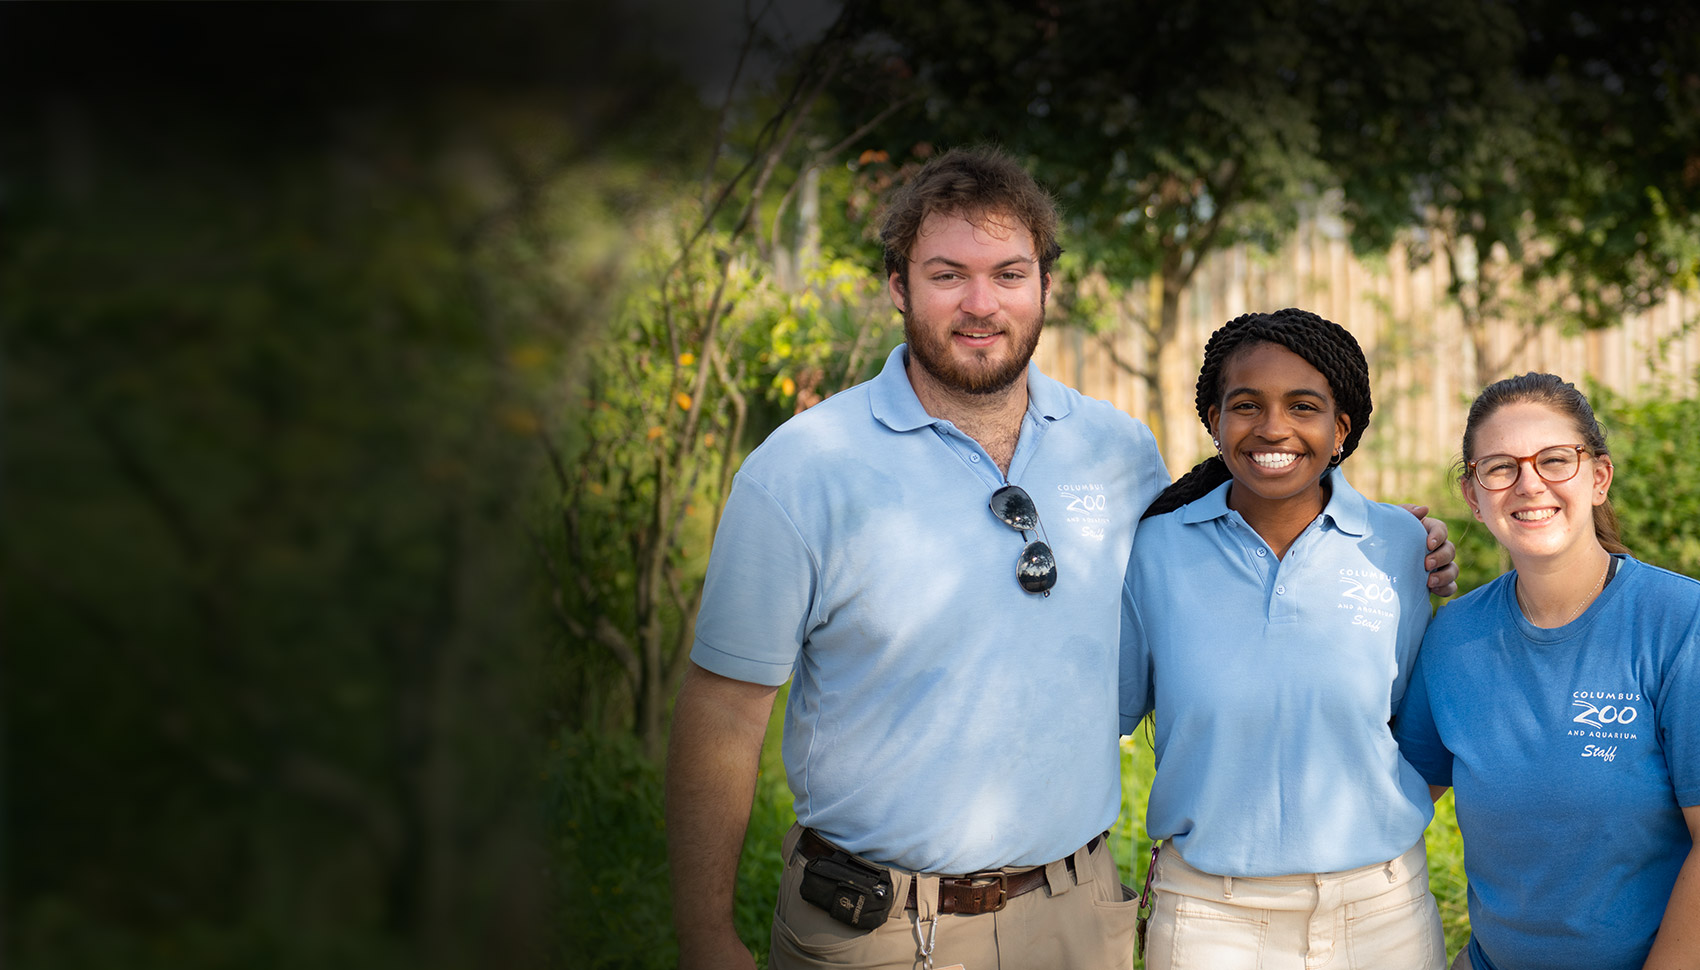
1346, 509
895, 405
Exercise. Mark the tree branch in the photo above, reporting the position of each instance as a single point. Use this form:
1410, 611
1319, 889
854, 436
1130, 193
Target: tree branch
820, 158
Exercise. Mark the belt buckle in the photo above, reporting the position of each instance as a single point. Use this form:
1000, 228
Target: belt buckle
1001, 882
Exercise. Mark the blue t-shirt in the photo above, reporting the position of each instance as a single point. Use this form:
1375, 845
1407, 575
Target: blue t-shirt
1273, 682
941, 719
1571, 752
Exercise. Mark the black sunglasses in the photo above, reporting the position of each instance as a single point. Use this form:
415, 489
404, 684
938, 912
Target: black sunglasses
1036, 569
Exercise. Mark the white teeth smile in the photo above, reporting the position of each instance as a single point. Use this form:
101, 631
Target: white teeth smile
1534, 515
1273, 459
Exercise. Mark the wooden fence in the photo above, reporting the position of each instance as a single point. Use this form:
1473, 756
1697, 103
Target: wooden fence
1420, 356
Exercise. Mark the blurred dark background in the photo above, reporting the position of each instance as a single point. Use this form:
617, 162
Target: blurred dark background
272, 644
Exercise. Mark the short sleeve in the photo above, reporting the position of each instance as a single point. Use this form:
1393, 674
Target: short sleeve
759, 595
1136, 685
1678, 718
1414, 729
1414, 613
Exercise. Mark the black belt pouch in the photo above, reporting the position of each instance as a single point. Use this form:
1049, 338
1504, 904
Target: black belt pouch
851, 891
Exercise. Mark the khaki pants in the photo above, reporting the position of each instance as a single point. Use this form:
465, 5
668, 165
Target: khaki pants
1380, 916
1084, 922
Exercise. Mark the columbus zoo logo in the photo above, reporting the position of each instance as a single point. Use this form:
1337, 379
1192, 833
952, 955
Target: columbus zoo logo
1370, 595
1087, 509
1605, 716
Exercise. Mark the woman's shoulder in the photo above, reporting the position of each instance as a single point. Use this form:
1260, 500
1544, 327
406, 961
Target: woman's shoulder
1655, 591
1385, 518
1393, 538
1155, 532
1659, 580
1473, 611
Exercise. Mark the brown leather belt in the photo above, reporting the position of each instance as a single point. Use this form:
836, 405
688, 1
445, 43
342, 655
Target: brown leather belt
971, 895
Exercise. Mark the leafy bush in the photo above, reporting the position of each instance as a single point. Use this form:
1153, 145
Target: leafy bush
604, 798
1655, 446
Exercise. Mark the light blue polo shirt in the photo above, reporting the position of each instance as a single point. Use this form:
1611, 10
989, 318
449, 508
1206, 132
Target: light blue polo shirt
1273, 682
941, 719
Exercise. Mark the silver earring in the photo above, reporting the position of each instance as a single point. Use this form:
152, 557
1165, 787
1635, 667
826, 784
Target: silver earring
1217, 445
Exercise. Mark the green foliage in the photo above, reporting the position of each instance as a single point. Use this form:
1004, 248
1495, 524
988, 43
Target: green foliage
605, 799
609, 860
1165, 130
710, 346
56, 932
275, 650
1541, 151
1655, 489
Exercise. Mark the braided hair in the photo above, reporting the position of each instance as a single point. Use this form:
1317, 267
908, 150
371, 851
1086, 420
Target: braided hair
1326, 346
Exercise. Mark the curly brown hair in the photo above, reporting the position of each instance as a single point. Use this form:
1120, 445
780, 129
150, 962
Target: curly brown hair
976, 183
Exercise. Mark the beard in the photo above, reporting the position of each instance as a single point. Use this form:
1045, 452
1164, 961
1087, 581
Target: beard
933, 352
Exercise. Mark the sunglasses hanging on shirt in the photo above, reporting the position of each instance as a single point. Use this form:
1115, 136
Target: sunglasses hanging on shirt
1036, 569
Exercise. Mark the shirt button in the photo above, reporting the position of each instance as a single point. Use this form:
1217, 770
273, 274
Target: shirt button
974, 458
1280, 590
1262, 552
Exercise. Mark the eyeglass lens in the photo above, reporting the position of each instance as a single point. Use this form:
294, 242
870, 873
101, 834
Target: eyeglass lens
1036, 569
1555, 464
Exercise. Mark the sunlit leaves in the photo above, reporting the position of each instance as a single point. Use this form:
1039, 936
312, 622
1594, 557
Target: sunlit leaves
1655, 489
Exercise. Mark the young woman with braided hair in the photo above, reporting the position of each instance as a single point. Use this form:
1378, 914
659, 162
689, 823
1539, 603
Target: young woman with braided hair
1271, 616
1562, 702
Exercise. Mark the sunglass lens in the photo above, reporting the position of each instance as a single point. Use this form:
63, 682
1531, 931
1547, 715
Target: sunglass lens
1036, 570
1013, 506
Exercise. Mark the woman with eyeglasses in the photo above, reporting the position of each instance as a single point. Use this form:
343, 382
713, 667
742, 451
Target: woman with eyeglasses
1271, 616
1561, 703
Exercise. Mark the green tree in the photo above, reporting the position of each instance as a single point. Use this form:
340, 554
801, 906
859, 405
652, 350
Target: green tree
1543, 149
1550, 164
1168, 131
